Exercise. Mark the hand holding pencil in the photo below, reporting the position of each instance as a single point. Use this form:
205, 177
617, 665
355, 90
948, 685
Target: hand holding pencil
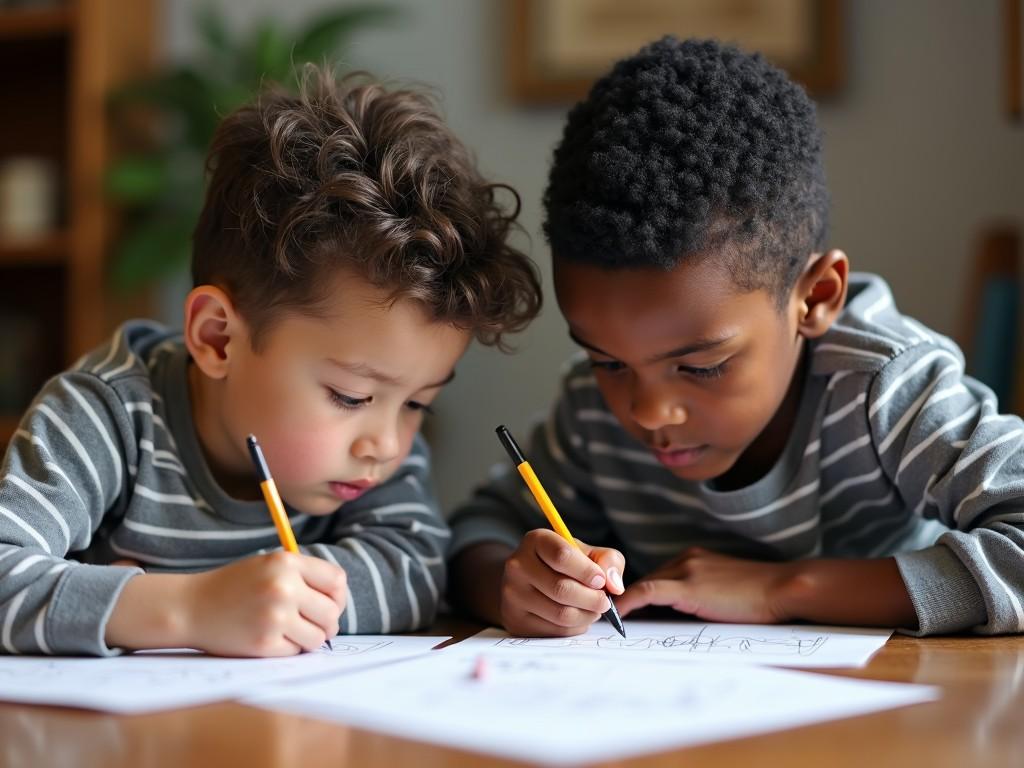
275, 505
554, 584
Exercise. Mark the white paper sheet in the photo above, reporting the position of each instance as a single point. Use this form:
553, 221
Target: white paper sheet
147, 681
779, 645
564, 710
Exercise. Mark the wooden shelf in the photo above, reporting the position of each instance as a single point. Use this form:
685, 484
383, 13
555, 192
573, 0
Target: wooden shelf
67, 56
22, 23
49, 249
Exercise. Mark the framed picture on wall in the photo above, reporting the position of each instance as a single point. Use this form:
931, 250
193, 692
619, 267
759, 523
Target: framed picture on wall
557, 48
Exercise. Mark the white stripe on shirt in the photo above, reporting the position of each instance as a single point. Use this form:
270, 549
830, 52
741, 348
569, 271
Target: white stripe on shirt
27, 528
970, 458
850, 482
414, 604
832, 418
115, 457
918, 449
265, 532
845, 450
378, 585
904, 377
46, 504
13, 606
1014, 600
75, 443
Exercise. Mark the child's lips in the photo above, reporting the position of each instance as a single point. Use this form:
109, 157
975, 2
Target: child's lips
680, 457
347, 491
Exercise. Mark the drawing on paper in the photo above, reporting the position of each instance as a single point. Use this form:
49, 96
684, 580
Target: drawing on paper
144, 671
704, 640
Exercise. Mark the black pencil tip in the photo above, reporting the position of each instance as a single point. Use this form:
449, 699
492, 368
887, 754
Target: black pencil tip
612, 615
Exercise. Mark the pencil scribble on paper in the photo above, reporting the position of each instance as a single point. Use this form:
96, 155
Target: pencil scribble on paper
160, 668
703, 640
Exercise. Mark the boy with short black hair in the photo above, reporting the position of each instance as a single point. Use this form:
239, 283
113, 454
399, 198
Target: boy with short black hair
757, 435
347, 252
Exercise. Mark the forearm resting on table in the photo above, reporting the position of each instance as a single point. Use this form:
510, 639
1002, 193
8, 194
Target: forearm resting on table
150, 612
852, 592
477, 573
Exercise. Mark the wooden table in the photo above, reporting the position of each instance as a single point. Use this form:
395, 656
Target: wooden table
978, 722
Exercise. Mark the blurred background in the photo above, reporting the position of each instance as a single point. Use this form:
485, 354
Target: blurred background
108, 104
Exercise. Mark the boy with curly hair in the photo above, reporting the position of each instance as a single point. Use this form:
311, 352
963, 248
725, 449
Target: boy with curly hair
756, 435
347, 252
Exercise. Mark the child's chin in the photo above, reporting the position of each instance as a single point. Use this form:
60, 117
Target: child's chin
318, 504
702, 471
695, 474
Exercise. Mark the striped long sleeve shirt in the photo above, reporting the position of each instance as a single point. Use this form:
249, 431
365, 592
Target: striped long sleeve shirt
894, 452
106, 465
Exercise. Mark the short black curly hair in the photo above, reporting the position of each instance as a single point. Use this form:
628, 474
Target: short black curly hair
691, 147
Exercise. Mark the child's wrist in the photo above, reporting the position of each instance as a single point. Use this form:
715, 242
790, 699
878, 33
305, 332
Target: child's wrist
151, 612
796, 589
182, 611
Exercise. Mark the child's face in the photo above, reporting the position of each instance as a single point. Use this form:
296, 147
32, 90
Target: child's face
690, 365
335, 402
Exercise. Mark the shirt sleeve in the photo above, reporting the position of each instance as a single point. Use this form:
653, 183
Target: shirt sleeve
391, 542
65, 468
503, 509
952, 456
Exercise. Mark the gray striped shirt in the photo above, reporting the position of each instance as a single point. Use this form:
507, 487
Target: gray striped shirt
106, 464
894, 452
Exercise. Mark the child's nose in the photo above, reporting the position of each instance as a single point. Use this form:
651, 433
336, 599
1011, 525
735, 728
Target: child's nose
653, 409
381, 445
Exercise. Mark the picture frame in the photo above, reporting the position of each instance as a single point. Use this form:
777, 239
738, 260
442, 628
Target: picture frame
555, 49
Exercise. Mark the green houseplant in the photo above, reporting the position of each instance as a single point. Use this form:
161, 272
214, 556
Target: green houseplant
160, 187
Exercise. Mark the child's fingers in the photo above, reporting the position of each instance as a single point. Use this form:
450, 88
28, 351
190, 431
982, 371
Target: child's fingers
534, 625
305, 634
566, 592
324, 577
673, 592
561, 615
612, 562
562, 557
319, 609
277, 647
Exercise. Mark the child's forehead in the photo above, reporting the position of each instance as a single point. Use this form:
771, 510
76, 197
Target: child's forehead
696, 283
698, 300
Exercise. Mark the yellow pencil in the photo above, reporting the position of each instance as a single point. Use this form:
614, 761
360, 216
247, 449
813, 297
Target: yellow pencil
548, 508
273, 499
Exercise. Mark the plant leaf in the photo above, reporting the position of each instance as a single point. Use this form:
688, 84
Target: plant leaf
153, 248
213, 31
183, 92
322, 37
270, 56
136, 179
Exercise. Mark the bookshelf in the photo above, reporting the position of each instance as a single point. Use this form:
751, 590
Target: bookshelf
60, 61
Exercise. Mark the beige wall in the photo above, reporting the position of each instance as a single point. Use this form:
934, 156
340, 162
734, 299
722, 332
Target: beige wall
918, 154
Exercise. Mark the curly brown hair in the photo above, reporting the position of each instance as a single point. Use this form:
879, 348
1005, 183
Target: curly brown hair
347, 174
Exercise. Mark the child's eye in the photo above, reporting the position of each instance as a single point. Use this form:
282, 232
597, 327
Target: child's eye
344, 401
412, 405
712, 372
612, 366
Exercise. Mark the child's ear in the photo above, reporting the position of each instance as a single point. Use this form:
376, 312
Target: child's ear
821, 293
213, 328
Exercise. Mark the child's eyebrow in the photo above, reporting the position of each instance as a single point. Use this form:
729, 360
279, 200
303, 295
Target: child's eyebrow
698, 346
367, 371
442, 382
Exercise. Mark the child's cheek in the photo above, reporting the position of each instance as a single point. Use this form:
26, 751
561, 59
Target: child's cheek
299, 457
